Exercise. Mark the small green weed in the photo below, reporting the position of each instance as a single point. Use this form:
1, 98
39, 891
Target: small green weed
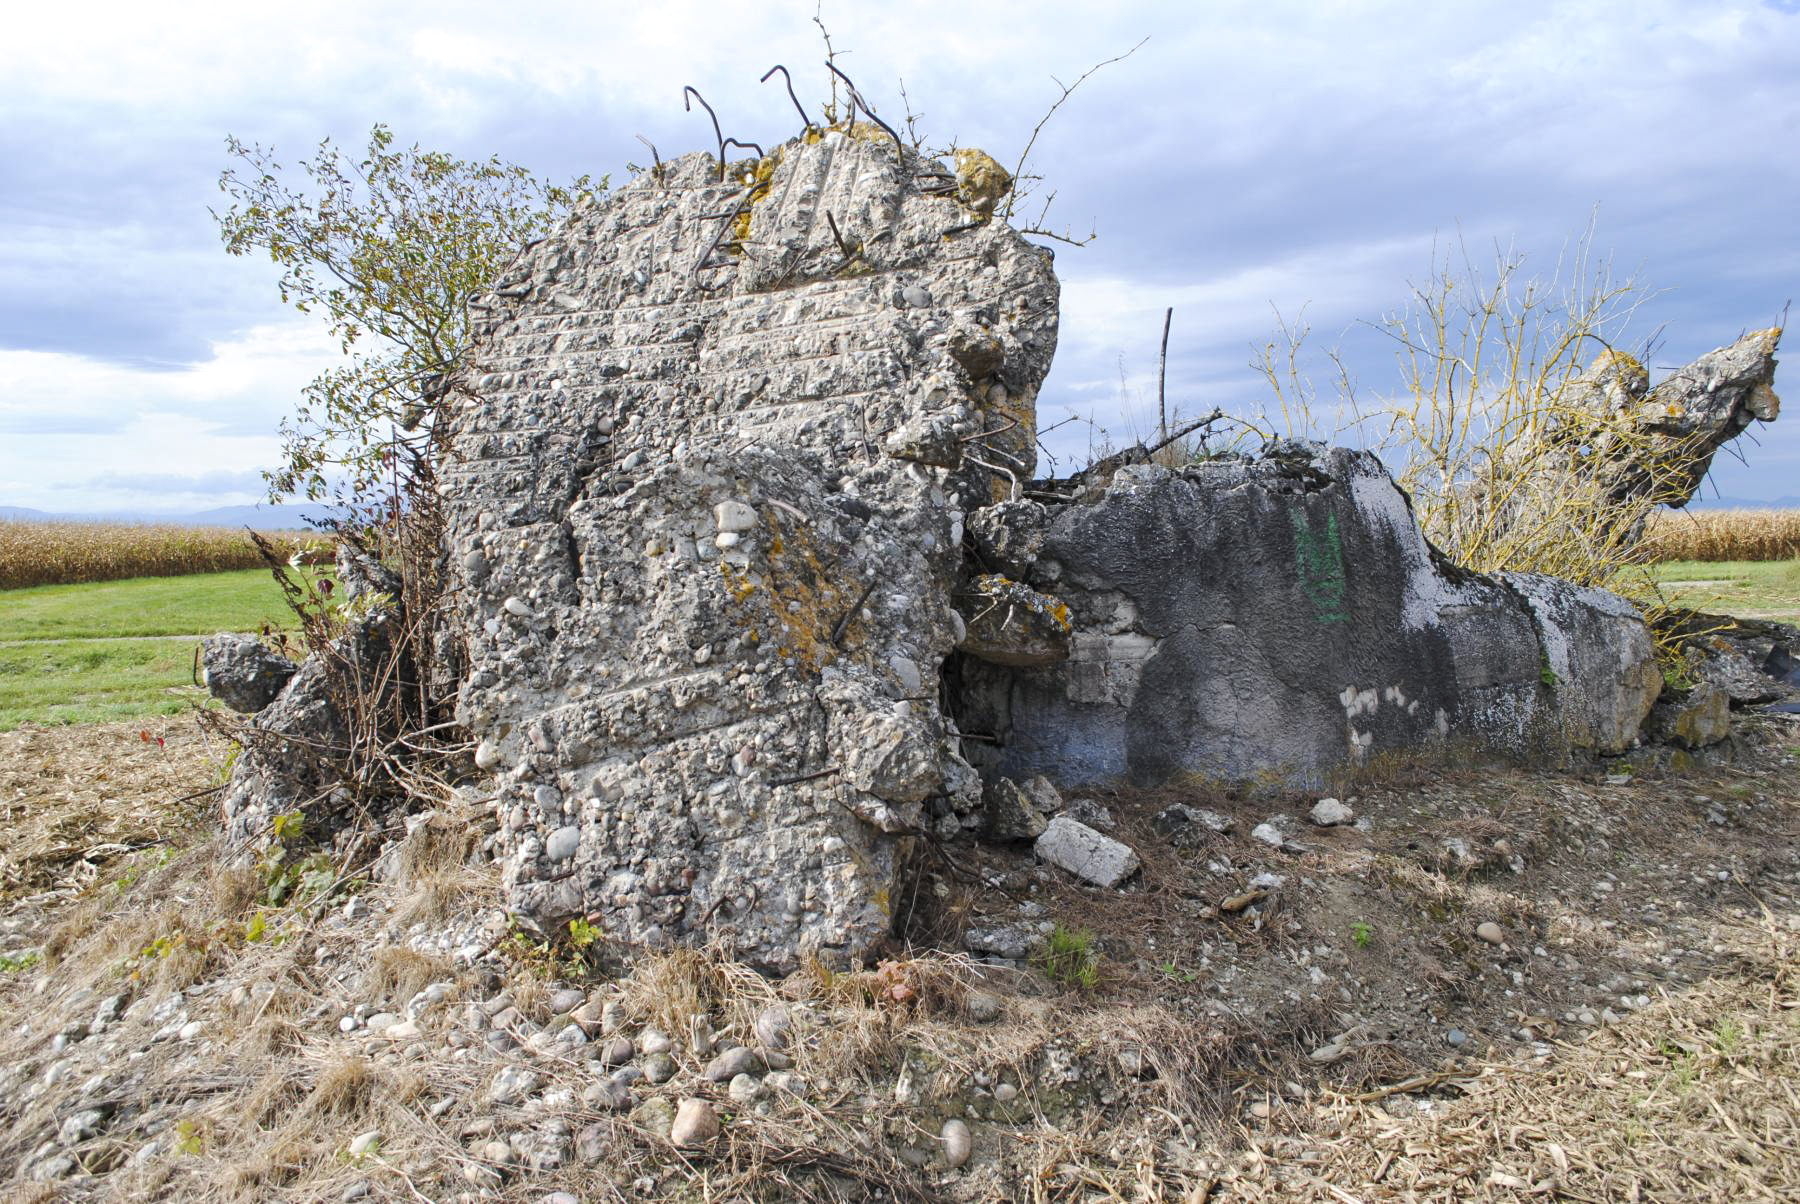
1727, 1035
1174, 973
1071, 959
288, 828
300, 881
1362, 935
187, 1138
24, 961
164, 946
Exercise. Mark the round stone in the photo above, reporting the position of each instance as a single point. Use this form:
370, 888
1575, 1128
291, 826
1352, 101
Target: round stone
695, 1123
959, 1143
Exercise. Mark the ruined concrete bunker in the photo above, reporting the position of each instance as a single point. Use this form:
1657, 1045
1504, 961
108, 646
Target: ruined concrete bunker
760, 593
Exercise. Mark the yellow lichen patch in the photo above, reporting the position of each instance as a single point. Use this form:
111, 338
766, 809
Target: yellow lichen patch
1612, 357
980, 181
738, 583
804, 599
760, 179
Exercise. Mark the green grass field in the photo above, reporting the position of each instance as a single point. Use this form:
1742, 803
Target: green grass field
119, 649
1751, 589
123, 649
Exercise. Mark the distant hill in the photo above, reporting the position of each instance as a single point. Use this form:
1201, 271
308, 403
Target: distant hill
297, 516
1785, 502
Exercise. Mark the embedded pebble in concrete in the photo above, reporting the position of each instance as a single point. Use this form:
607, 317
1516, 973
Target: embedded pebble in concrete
702, 584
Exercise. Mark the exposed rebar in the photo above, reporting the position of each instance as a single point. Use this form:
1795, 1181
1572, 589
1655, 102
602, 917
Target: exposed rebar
688, 106
805, 121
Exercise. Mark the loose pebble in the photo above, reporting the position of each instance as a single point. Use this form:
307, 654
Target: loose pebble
695, 1123
959, 1143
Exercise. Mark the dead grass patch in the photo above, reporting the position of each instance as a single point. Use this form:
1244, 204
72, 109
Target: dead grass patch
77, 801
397, 973
1690, 1099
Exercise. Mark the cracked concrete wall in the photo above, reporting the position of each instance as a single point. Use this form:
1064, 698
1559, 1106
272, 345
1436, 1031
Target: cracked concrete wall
706, 504
1281, 617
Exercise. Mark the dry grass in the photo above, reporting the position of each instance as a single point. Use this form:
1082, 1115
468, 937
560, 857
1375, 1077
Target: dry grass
1124, 1093
399, 973
72, 808
1691, 1099
33, 553
1720, 535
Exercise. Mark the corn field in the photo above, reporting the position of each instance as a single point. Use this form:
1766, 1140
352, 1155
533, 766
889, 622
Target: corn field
41, 553
1722, 535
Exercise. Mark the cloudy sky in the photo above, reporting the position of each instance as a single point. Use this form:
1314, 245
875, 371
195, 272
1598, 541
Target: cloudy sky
1251, 157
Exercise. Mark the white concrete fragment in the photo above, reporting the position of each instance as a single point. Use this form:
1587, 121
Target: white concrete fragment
1087, 854
1330, 813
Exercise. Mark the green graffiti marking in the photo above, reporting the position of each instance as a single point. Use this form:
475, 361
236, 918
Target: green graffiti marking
1319, 558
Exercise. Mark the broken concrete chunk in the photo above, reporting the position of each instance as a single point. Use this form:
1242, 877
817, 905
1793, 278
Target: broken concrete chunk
1272, 832
1089, 855
1011, 941
1699, 408
1330, 813
1700, 718
1172, 821
1009, 535
1043, 795
1009, 813
241, 672
1283, 617
734, 605
295, 749
1087, 811
363, 575
1753, 660
1008, 623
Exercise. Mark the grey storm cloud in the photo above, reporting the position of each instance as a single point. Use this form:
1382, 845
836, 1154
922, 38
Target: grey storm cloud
1248, 157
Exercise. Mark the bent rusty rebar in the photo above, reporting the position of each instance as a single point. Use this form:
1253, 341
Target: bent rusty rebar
760, 153
857, 102
718, 135
805, 121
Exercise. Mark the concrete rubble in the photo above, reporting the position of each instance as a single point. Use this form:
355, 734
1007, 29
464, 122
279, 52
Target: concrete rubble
1089, 855
241, 672
760, 593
